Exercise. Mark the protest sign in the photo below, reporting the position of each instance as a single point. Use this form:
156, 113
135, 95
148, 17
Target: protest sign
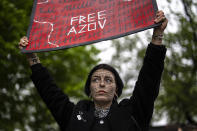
60, 24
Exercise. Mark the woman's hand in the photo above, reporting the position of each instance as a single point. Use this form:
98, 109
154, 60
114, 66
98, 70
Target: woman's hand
31, 57
23, 42
158, 31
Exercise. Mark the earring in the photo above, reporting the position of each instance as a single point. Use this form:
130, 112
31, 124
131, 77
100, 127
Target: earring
116, 95
90, 96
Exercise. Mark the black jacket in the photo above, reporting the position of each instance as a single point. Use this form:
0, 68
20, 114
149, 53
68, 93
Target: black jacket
129, 115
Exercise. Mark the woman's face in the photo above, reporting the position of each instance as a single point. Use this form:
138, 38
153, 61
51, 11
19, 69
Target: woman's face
103, 86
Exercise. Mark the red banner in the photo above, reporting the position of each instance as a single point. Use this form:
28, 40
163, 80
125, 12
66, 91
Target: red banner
59, 24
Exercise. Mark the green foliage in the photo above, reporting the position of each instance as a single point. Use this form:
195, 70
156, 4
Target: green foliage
125, 59
21, 106
180, 75
178, 91
123, 55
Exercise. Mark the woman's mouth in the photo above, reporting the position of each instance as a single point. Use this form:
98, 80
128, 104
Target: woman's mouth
102, 92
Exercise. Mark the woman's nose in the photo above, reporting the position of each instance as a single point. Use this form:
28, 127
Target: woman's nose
102, 83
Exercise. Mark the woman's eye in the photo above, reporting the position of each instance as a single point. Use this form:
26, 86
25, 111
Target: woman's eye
108, 80
96, 80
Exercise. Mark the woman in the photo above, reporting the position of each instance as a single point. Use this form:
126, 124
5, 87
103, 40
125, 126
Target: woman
104, 86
